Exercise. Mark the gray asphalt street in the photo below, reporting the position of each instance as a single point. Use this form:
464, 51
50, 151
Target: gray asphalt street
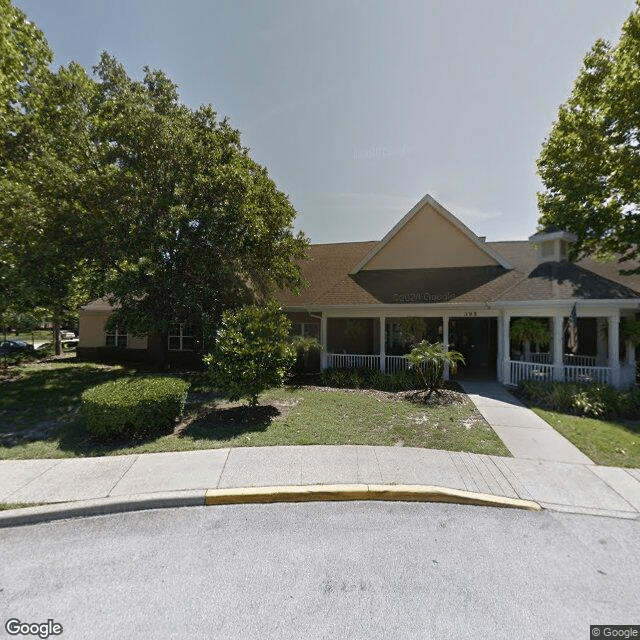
339, 570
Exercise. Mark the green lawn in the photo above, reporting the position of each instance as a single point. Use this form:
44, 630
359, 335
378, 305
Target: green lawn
41, 335
39, 418
606, 442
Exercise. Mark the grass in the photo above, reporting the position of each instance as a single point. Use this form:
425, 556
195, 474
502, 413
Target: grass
40, 335
613, 443
5, 506
39, 418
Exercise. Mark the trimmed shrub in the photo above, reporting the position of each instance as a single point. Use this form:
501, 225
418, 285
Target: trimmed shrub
252, 352
592, 400
133, 406
371, 379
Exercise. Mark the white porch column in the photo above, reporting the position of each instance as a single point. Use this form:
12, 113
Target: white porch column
383, 359
558, 347
614, 349
445, 341
601, 349
323, 342
506, 348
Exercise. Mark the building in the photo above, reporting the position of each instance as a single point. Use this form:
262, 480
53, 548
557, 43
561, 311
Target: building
432, 277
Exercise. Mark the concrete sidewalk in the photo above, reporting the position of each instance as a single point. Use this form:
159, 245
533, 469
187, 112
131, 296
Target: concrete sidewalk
524, 433
159, 479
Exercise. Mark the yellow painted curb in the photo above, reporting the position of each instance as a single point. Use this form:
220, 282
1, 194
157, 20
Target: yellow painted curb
343, 492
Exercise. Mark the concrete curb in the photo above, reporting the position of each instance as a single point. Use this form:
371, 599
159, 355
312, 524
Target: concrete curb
101, 506
252, 495
343, 492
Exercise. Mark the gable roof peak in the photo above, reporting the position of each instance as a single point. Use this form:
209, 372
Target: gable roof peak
479, 242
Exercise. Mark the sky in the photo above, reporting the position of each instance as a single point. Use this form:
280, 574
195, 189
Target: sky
358, 108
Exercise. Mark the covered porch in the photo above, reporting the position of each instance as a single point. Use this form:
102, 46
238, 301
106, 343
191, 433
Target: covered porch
362, 340
599, 354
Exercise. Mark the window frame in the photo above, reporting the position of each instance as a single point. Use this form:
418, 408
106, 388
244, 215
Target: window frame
315, 333
120, 337
181, 335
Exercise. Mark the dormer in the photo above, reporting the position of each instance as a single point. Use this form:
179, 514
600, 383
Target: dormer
552, 245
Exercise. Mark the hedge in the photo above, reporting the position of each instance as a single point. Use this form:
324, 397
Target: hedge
406, 380
592, 400
133, 406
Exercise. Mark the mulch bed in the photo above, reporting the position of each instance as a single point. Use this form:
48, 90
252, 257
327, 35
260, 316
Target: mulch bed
440, 398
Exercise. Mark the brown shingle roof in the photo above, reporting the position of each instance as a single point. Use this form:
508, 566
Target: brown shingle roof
328, 266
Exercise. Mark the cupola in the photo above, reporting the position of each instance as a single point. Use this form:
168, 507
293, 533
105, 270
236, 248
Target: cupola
552, 244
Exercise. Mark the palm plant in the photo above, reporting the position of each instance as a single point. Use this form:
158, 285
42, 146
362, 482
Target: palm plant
429, 360
630, 330
530, 330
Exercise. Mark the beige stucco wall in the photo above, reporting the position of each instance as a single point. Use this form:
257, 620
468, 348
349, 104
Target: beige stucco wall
92, 331
427, 241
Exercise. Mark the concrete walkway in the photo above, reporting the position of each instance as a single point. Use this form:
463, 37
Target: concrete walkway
525, 434
179, 479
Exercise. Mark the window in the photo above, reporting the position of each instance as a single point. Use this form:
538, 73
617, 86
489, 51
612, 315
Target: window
181, 337
306, 329
116, 337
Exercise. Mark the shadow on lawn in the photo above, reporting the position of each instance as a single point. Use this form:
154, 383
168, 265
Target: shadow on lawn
231, 422
39, 390
217, 425
75, 439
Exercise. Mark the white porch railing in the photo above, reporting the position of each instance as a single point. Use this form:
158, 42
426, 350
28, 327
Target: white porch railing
567, 359
601, 375
541, 358
395, 364
544, 373
578, 360
529, 371
352, 361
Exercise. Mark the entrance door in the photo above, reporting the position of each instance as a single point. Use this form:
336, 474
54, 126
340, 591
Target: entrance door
477, 340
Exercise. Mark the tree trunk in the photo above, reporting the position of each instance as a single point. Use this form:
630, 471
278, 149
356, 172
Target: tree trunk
57, 344
161, 360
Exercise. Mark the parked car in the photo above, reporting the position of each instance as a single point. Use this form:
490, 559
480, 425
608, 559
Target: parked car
67, 335
14, 346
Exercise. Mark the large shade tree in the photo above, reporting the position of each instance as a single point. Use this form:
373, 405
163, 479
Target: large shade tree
590, 163
50, 161
110, 185
24, 56
194, 225
43, 159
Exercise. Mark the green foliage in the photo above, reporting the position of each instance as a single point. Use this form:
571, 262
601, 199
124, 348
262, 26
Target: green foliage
370, 379
428, 359
589, 164
46, 191
583, 400
630, 330
303, 348
24, 55
110, 185
252, 352
533, 330
131, 407
198, 226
